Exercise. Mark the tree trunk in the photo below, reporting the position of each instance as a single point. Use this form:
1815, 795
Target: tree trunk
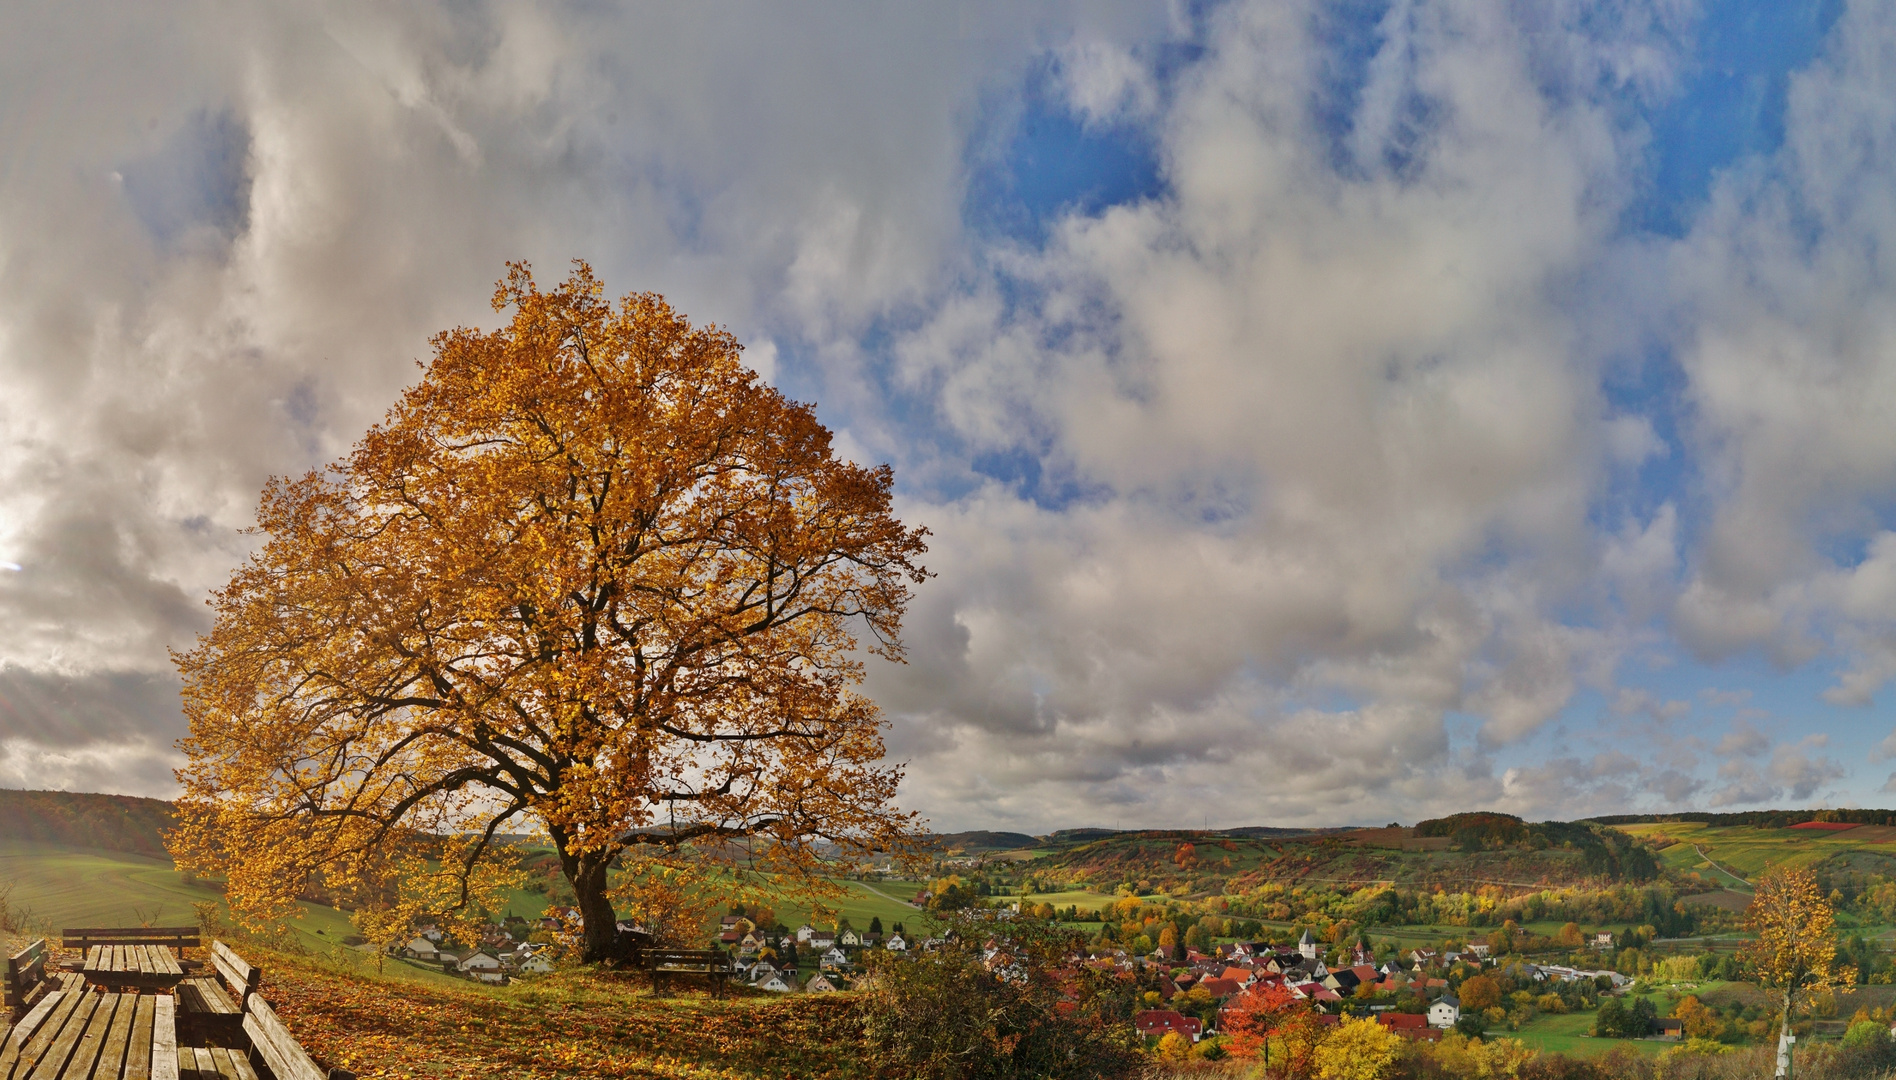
587, 874
595, 910
1784, 1031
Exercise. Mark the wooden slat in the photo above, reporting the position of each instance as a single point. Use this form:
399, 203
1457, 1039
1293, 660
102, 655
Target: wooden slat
273, 1042
177, 937
17, 1060
25, 969
90, 1046
164, 1041
233, 1066
23, 1032
206, 996
112, 1055
138, 1050
243, 976
59, 1044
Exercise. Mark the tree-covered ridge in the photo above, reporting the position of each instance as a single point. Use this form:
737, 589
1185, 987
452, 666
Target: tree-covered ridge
1761, 819
1604, 852
81, 819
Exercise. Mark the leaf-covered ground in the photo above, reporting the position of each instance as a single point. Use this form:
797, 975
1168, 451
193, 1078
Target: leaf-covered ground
568, 1025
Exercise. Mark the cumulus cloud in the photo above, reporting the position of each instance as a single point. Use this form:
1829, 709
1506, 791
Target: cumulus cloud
1793, 772
1785, 335
1327, 424
1307, 465
226, 236
1743, 740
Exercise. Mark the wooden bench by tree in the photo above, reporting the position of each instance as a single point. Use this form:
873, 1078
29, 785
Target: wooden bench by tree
215, 1003
662, 963
177, 937
273, 1044
26, 976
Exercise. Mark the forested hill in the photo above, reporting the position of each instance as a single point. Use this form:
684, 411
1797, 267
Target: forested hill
1757, 819
112, 822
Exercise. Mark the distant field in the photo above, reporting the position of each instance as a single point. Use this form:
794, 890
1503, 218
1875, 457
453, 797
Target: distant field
1568, 1035
1748, 852
60, 886
1084, 899
862, 902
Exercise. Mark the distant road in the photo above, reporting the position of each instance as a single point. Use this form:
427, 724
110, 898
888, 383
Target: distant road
1720, 869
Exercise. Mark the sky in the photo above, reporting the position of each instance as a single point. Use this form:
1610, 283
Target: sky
1325, 412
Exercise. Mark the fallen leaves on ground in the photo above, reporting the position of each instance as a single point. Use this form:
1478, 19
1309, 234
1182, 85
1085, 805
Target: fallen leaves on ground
568, 1025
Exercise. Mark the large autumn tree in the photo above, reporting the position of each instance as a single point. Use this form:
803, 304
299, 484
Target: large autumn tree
591, 577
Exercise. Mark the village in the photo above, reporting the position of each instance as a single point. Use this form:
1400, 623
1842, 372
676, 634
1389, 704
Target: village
1214, 984
1411, 994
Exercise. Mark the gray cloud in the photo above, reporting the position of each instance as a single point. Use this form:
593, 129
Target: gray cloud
1325, 464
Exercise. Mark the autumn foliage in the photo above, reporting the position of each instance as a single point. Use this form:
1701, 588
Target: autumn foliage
1794, 949
591, 576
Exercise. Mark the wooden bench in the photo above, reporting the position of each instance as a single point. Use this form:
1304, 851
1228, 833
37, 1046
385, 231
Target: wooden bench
273, 1044
26, 976
73, 1034
214, 1063
214, 1005
662, 963
177, 937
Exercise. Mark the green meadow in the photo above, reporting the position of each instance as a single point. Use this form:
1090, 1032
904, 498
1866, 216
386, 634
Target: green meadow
1747, 852
56, 886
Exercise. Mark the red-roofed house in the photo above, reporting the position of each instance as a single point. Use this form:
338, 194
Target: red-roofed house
1409, 1026
1221, 988
1239, 975
1160, 1021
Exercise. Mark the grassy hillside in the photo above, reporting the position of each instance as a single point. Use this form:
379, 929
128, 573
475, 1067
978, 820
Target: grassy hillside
52, 886
1737, 855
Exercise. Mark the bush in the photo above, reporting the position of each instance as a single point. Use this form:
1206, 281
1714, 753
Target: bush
1866, 1033
954, 1014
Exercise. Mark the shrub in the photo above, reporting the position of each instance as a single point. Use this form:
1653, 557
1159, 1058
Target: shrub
1866, 1033
954, 1013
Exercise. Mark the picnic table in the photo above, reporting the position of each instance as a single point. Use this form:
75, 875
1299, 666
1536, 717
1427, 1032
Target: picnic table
148, 966
80, 1035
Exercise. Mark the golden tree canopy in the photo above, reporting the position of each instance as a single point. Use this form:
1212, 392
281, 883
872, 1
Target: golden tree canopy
591, 575
1796, 945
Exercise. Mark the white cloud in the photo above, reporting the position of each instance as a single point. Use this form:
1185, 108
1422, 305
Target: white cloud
226, 235
1325, 467
1785, 333
1106, 84
1330, 429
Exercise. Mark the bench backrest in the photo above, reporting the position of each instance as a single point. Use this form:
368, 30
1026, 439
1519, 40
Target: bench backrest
279, 1049
243, 977
178, 937
25, 969
710, 958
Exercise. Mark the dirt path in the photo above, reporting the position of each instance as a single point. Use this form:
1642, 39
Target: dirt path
1708, 859
886, 896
